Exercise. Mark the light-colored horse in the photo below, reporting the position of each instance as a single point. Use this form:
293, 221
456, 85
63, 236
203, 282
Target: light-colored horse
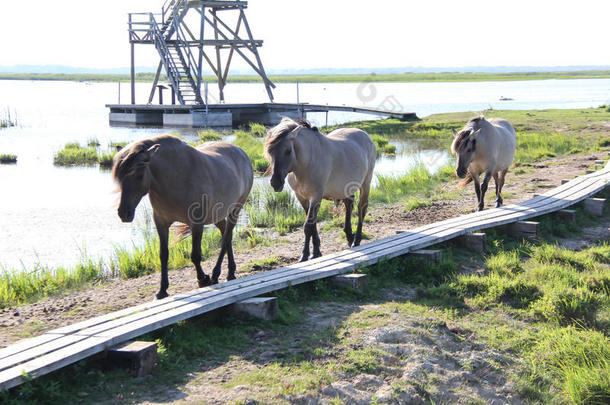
484, 146
195, 186
331, 167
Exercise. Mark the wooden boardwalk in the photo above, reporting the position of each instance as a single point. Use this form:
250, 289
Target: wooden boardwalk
61, 347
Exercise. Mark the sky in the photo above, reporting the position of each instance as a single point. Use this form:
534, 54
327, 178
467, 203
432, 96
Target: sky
329, 33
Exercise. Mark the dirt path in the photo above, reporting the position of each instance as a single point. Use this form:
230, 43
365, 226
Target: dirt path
34, 319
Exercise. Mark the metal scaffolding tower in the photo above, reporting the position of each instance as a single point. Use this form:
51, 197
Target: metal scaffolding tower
184, 44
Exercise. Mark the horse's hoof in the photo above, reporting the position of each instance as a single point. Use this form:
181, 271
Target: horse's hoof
356, 243
161, 294
316, 255
498, 204
303, 259
231, 277
204, 282
214, 281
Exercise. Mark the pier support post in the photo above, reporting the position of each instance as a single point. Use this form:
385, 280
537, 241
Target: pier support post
566, 215
140, 357
259, 307
595, 206
428, 255
356, 281
523, 229
475, 241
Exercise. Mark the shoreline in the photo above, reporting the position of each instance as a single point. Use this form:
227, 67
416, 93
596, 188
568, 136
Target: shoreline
331, 78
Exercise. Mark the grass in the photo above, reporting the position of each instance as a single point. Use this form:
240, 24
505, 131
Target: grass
416, 187
330, 78
209, 135
73, 154
281, 211
6, 120
253, 146
7, 158
19, 286
565, 359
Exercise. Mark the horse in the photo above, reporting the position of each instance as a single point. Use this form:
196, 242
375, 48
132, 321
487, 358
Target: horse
317, 167
198, 186
484, 146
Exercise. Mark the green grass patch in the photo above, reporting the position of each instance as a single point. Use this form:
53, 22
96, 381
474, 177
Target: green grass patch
209, 135
6, 158
416, 183
73, 154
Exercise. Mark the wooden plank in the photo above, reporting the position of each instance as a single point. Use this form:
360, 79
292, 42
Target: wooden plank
367, 254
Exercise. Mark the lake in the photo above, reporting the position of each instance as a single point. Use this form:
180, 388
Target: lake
52, 215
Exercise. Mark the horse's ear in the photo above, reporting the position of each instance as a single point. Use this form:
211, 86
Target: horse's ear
474, 135
454, 132
149, 152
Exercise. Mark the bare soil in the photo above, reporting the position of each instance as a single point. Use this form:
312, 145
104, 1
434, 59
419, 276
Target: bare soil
34, 319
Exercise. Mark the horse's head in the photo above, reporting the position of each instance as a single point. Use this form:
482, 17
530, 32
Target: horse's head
280, 150
131, 170
464, 147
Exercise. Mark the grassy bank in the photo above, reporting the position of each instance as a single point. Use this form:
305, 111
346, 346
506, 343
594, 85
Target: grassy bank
19, 286
533, 314
331, 78
74, 154
6, 158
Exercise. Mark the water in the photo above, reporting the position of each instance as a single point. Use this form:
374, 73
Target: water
53, 215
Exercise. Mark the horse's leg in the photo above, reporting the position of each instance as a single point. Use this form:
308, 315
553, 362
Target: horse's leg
163, 231
197, 233
231, 222
305, 254
347, 228
363, 203
312, 217
499, 185
223, 226
477, 188
484, 185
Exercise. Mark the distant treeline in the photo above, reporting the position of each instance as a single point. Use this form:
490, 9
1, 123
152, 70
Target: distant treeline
334, 78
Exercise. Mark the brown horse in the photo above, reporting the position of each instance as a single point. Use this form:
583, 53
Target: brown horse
332, 167
195, 186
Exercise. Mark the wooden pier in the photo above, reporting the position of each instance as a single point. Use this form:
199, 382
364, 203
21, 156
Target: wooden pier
61, 347
230, 115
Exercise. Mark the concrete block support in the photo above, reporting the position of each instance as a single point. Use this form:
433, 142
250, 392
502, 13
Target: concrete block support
523, 229
595, 206
428, 255
475, 241
358, 282
566, 215
259, 307
140, 357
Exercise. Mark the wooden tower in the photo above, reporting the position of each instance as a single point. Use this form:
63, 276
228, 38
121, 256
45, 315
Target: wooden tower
190, 33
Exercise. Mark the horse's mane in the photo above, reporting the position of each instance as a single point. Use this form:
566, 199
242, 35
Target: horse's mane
472, 126
279, 132
124, 160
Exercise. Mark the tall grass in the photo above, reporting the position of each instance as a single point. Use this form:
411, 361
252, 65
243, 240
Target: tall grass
21, 286
73, 154
7, 158
281, 211
417, 182
7, 119
253, 148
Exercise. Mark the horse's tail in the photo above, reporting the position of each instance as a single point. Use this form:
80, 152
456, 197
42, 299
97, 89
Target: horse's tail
468, 179
182, 231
